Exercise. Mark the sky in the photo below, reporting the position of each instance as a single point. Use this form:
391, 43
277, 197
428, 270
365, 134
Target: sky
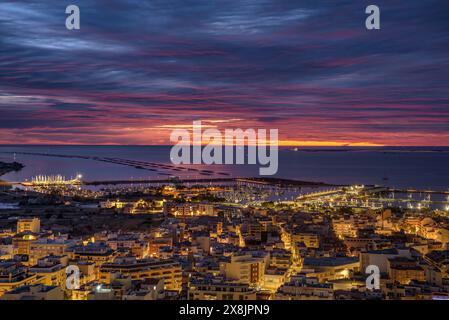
137, 69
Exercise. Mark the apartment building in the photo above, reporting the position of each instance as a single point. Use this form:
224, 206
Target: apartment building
244, 269
168, 270
29, 225
219, 290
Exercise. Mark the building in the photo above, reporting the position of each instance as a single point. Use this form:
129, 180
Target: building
35, 292
299, 234
45, 247
157, 244
349, 225
145, 207
310, 240
6, 248
274, 278
208, 289
189, 209
98, 291
130, 242
98, 253
244, 269
168, 270
13, 275
148, 289
22, 242
403, 270
29, 225
202, 240
281, 259
123, 288
51, 270
114, 204
330, 268
380, 258
305, 288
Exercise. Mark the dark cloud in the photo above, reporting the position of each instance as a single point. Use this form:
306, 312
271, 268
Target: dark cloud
310, 68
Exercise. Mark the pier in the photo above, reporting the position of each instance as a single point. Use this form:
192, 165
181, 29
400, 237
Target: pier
255, 181
319, 194
159, 168
418, 191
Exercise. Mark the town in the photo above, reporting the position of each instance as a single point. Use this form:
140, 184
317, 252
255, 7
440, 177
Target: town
245, 239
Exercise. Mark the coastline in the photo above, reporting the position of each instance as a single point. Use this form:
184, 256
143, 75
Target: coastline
6, 167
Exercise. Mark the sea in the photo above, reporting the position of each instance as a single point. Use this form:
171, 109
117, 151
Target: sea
397, 167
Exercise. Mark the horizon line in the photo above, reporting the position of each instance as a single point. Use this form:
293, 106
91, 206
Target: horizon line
246, 145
